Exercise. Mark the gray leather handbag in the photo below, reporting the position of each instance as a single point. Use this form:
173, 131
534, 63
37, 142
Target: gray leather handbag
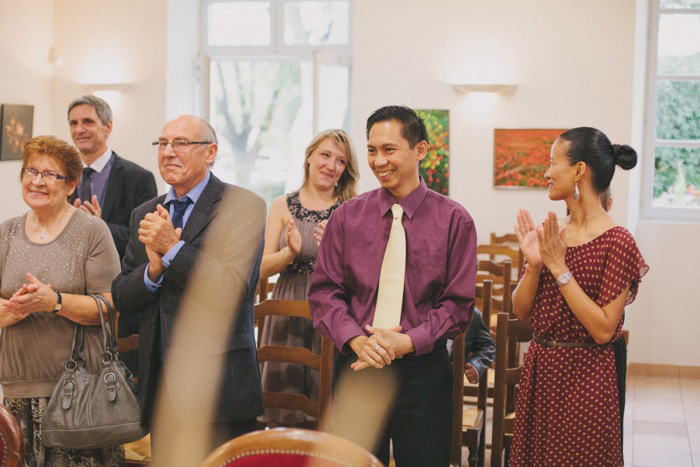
91, 411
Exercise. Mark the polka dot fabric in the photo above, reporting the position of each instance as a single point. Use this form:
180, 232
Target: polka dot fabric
567, 411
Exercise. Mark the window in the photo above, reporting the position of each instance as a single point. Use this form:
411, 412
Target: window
274, 73
672, 126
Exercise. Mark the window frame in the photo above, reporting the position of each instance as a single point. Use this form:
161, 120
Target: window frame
318, 54
651, 142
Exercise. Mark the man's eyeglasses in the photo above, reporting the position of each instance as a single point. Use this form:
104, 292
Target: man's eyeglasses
178, 144
30, 173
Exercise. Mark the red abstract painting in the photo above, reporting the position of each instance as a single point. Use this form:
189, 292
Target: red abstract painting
521, 156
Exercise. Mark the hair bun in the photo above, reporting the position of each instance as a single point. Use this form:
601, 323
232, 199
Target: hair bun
624, 156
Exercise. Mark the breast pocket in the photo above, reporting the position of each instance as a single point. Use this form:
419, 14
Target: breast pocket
427, 260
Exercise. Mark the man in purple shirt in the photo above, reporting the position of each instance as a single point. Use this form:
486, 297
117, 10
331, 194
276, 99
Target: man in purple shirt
438, 293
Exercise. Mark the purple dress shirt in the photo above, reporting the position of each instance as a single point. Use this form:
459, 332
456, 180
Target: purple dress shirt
440, 267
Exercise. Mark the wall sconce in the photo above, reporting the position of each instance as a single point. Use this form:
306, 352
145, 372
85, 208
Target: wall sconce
97, 87
481, 87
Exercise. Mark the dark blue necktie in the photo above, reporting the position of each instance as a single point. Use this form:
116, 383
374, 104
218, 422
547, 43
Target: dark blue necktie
179, 208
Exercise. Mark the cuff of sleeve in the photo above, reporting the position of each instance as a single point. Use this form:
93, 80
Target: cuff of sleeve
421, 340
477, 366
347, 332
150, 285
170, 255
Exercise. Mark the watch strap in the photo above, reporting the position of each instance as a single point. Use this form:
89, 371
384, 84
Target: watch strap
59, 302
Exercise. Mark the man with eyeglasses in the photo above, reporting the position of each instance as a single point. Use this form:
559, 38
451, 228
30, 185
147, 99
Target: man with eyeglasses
214, 229
110, 187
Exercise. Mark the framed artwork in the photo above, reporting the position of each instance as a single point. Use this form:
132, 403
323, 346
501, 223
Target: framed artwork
521, 157
435, 167
16, 124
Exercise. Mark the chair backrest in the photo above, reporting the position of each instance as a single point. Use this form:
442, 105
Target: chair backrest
500, 274
509, 238
509, 241
482, 301
290, 447
11, 440
298, 355
265, 288
457, 398
509, 332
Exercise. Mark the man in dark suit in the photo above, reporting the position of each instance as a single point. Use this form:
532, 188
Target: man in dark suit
173, 235
111, 187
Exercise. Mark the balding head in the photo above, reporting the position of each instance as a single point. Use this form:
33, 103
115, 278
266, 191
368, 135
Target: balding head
184, 168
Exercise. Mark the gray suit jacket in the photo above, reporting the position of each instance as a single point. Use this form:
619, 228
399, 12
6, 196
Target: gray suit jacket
240, 395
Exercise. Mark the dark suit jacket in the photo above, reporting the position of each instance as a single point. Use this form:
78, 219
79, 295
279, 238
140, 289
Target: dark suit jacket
128, 186
232, 268
479, 343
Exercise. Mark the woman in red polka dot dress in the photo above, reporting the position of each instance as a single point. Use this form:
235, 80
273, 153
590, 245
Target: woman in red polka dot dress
576, 282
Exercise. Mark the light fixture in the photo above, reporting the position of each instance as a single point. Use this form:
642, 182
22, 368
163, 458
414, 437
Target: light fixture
107, 86
483, 87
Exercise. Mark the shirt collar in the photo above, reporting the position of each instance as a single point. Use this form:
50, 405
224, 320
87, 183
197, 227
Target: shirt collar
409, 204
100, 162
193, 194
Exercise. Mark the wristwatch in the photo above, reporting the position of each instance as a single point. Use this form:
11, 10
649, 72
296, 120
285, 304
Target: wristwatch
59, 305
563, 279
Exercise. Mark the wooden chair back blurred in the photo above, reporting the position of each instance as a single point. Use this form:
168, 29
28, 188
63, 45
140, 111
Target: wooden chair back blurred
500, 274
510, 240
509, 332
469, 424
11, 440
291, 447
265, 288
298, 355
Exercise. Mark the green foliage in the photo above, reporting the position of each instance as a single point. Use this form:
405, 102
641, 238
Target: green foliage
435, 167
677, 118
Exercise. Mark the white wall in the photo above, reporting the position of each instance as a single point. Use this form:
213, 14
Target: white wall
114, 43
573, 66
26, 32
574, 63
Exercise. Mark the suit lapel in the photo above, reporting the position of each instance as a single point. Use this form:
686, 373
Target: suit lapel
205, 209
114, 186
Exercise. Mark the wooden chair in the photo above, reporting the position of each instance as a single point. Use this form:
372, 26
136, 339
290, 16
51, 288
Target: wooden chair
469, 424
483, 301
509, 332
11, 440
510, 240
291, 447
500, 274
298, 355
265, 288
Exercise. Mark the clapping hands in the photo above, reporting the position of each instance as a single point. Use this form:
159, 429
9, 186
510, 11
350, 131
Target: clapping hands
31, 298
542, 245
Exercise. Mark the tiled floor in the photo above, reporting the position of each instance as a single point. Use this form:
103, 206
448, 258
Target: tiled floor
662, 422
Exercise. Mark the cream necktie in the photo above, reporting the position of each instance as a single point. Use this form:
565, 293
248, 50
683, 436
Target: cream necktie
387, 313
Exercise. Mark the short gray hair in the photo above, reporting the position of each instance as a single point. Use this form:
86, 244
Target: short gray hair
209, 131
104, 112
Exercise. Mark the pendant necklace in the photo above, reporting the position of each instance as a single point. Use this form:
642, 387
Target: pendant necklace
45, 231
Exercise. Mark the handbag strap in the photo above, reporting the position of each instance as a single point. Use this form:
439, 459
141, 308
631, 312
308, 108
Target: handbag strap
108, 327
76, 350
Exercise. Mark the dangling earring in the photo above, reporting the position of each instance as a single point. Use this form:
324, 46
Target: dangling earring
576, 194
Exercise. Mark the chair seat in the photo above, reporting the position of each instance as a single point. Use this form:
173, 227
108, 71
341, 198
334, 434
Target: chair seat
138, 452
471, 418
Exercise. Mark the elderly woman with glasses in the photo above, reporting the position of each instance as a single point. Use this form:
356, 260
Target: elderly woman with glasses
50, 258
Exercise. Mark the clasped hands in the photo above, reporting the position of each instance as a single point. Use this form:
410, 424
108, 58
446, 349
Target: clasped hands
31, 298
157, 233
543, 245
380, 348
